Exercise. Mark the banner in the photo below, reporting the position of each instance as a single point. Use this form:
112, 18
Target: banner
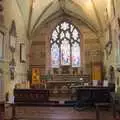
96, 71
35, 76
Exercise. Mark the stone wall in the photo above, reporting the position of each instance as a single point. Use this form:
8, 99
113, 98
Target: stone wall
2, 30
113, 57
12, 12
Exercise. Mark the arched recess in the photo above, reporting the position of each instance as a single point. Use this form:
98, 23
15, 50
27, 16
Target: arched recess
41, 41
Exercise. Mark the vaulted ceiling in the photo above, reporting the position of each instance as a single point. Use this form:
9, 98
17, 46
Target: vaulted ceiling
93, 13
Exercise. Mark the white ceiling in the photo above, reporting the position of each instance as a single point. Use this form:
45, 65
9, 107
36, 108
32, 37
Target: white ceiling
91, 12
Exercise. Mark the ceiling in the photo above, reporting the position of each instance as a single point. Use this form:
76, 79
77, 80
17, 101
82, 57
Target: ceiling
93, 13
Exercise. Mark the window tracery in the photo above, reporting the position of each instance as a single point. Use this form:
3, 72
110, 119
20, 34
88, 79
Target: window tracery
65, 46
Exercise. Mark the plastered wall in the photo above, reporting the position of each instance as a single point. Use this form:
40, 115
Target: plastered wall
113, 57
12, 12
90, 45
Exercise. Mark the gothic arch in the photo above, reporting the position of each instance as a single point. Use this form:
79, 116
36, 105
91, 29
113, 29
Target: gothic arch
65, 45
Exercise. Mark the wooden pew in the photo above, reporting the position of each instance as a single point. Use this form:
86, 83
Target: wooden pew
2, 110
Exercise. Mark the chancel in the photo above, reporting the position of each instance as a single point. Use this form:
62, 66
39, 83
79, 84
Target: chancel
58, 58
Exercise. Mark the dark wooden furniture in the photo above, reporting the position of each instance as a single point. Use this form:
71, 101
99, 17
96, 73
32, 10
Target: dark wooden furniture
103, 105
96, 94
31, 96
2, 110
116, 108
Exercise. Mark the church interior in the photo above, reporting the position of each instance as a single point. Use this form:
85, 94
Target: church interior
59, 56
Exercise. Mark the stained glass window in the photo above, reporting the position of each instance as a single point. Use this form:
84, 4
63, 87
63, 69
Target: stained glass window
75, 55
65, 46
65, 52
55, 55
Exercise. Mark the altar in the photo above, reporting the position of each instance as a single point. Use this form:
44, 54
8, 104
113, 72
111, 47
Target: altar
59, 85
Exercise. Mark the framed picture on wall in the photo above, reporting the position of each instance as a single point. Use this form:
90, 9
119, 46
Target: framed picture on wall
22, 53
1, 44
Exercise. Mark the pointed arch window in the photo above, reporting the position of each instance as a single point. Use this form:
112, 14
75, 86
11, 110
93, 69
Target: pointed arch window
65, 46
